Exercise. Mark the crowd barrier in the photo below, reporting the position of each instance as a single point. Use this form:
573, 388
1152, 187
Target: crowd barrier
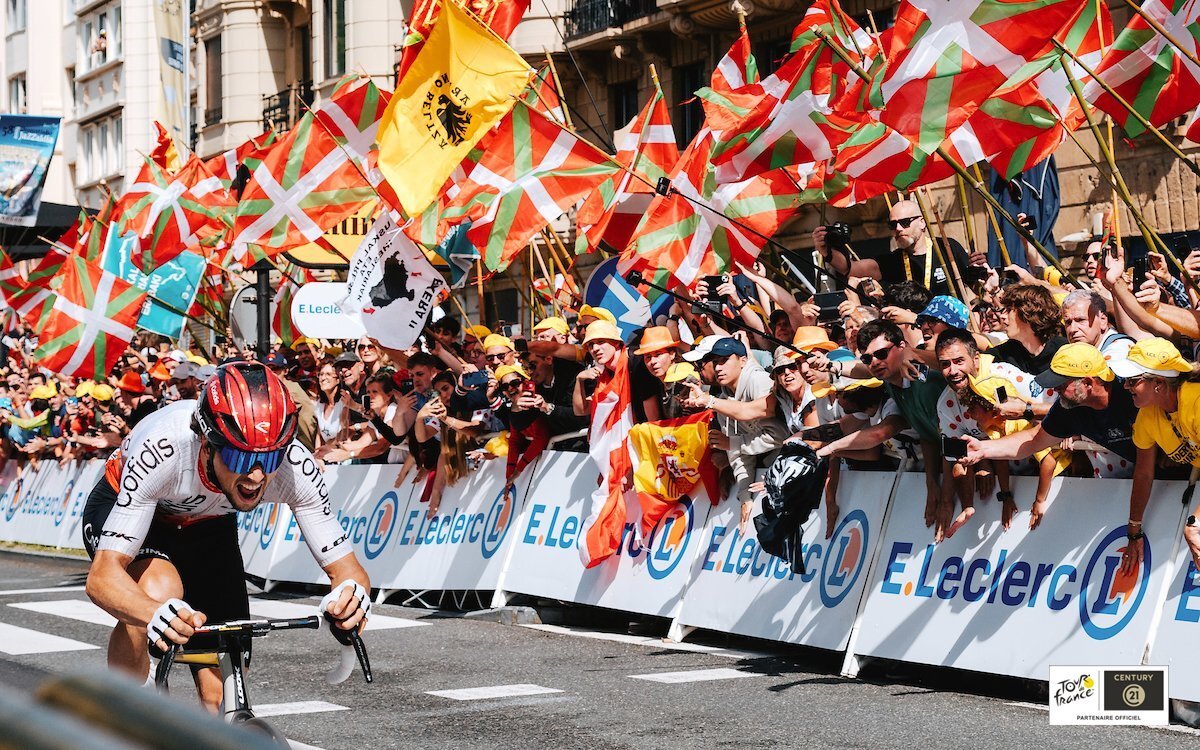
1007, 602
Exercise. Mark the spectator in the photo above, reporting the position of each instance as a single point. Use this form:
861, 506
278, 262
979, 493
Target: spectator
1034, 325
1090, 404
1085, 318
351, 373
941, 314
133, 400
604, 344
306, 424
555, 380
911, 257
184, 380
308, 355
499, 350
658, 350
375, 442
330, 407
368, 351
528, 432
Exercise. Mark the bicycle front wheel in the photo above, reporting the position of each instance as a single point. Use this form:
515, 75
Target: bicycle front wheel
263, 727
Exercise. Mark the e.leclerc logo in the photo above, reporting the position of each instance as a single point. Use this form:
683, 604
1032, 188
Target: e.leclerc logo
841, 568
16, 497
669, 540
269, 525
1107, 598
495, 528
455, 527
380, 525
65, 504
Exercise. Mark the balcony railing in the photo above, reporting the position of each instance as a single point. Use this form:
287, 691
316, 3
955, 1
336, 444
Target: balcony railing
213, 115
282, 110
589, 16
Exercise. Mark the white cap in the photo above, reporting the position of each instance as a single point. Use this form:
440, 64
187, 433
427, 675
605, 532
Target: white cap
702, 349
184, 370
177, 355
204, 372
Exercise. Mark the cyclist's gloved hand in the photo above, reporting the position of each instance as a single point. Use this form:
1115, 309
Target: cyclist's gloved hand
348, 604
173, 622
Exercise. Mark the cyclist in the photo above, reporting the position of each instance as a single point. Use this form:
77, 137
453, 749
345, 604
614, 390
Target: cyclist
160, 525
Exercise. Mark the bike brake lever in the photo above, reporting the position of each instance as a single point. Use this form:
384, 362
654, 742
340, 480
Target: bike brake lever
350, 639
164, 666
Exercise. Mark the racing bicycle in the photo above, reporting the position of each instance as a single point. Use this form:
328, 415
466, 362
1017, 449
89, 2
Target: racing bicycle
231, 655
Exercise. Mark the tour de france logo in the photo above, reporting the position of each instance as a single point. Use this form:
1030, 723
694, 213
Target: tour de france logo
445, 112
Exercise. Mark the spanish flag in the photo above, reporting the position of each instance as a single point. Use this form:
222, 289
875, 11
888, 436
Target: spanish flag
671, 460
464, 80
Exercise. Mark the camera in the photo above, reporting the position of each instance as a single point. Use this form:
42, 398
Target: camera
837, 234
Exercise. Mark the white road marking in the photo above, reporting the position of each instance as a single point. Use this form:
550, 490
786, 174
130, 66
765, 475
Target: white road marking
274, 608
695, 675
299, 707
301, 746
642, 640
75, 609
494, 691
55, 590
15, 640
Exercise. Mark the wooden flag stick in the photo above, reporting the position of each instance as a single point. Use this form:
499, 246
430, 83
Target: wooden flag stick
964, 207
1162, 138
946, 253
1004, 256
534, 252
1158, 27
558, 89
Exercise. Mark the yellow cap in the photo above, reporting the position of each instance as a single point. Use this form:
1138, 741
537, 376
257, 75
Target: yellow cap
478, 332
496, 339
1154, 356
679, 371
42, 391
1077, 360
986, 387
505, 370
314, 343
599, 313
1051, 276
556, 324
102, 392
196, 359
85, 388
602, 330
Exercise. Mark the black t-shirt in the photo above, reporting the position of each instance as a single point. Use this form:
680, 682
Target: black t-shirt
642, 385
1112, 428
1013, 352
141, 411
891, 268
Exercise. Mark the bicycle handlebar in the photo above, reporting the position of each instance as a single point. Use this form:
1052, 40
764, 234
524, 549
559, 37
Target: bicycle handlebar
352, 642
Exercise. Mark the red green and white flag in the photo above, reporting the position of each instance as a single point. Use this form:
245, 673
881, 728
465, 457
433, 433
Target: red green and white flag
34, 301
10, 280
793, 120
224, 166
531, 171
543, 96
281, 318
612, 211
168, 212
941, 59
1147, 71
702, 228
91, 322
312, 178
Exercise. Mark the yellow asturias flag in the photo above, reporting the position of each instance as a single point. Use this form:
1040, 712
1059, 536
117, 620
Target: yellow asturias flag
462, 83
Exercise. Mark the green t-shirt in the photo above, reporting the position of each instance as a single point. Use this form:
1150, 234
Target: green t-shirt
917, 403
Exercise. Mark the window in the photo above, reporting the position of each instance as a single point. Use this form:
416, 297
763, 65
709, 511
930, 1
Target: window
624, 98
87, 155
116, 32
15, 15
105, 156
213, 92
101, 149
688, 79
335, 37
100, 38
17, 102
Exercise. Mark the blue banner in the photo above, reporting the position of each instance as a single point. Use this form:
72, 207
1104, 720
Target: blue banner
26, 146
174, 282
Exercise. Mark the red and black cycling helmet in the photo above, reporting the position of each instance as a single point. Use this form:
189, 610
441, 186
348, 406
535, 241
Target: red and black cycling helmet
246, 412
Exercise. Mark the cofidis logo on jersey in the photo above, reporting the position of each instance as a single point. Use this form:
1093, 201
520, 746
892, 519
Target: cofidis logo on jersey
847, 554
1107, 599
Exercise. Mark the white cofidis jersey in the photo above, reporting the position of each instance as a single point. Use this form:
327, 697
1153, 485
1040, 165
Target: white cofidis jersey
157, 474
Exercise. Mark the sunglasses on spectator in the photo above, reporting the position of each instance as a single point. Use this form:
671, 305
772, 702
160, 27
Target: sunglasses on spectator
364, 347
495, 357
511, 385
905, 222
880, 354
780, 369
1092, 256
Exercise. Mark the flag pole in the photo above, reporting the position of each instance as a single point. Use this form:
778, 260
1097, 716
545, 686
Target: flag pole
1004, 256
968, 224
1162, 138
535, 252
945, 253
1158, 27
558, 89
960, 170
1151, 237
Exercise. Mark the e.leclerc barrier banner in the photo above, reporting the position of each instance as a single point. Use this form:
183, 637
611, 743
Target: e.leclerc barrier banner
1174, 641
1015, 602
739, 588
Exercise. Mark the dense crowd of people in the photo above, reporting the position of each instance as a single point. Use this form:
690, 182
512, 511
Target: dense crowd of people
1020, 374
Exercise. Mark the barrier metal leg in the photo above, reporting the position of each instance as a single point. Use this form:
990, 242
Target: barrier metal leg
499, 599
383, 594
854, 663
268, 584
677, 632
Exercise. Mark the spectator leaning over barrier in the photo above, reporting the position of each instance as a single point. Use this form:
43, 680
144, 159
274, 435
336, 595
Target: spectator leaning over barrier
605, 346
913, 404
366, 444
473, 346
354, 386
1085, 318
959, 360
330, 407
528, 432
553, 394
1034, 327
1090, 404
1168, 420
749, 440
306, 425
658, 350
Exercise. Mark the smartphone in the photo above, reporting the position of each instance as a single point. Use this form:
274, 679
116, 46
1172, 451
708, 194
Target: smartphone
714, 282
1001, 395
528, 386
406, 386
589, 387
1030, 222
365, 402
220, 340
1010, 278
1139, 266
870, 288
72, 400
6, 403
473, 380
1111, 247
522, 346
828, 302
953, 448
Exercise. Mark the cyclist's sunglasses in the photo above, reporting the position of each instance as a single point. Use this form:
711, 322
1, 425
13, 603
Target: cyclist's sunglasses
243, 462
893, 223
